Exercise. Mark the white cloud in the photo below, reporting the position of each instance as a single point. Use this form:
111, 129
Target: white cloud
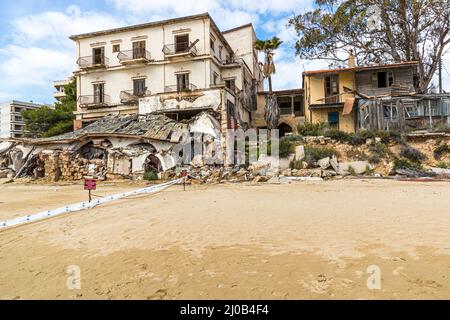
40, 50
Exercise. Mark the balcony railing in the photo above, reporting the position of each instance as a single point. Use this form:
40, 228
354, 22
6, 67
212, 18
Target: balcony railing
93, 62
135, 55
175, 88
180, 48
94, 101
130, 96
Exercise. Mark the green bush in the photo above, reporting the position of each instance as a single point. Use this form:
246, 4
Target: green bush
338, 135
296, 164
406, 164
151, 175
378, 152
314, 154
294, 138
311, 129
440, 150
442, 165
286, 148
412, 154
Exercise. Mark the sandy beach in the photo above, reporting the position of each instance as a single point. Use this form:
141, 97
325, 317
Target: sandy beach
304, 240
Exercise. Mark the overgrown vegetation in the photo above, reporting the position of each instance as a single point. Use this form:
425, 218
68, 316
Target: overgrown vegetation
311, 129
314, 154
403, 163
412, 154
351, 170
441, 150
47, 122
355, 139
442, 165
378, 151
286, 148
151, 175
296, 164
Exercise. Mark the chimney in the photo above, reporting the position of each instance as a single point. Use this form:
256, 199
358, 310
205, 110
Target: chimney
351, 60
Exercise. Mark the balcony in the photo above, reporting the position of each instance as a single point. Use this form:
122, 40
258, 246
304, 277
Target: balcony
134, 56
180, 49
95, 101
92, 62
131, 97
175, 88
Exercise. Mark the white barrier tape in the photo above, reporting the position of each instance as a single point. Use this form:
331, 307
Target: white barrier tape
85, 205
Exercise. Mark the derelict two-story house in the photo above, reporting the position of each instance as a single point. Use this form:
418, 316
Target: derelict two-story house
178, 67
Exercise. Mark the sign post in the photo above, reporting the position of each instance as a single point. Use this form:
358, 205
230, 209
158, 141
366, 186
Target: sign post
90, 184
184, 175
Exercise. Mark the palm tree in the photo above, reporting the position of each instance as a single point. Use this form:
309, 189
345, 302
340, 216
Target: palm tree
271, 112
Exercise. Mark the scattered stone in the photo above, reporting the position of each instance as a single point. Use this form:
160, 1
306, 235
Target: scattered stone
324, 163
299, 153
260, 179
359, 167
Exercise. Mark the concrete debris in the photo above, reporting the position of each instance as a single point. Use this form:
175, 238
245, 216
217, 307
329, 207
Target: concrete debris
440, 172
324, 163
299, 153
354, 167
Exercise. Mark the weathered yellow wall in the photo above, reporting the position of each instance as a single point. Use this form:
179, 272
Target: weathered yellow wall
258, 116
315, 94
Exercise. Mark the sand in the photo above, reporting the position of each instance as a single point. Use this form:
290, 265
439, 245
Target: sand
305, 240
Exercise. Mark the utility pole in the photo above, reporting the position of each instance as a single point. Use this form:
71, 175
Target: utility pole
440, 75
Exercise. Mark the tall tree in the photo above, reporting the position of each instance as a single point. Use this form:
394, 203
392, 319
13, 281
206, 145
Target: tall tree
47, 121
378, 31
268, 47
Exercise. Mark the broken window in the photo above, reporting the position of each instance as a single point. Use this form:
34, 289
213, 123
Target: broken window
211, 44
99, 93
182, 81
385, 79
231, 119
215, 78
138, 49
332, 89
181, 43
116, 48
231, 84
98, 55
139, 87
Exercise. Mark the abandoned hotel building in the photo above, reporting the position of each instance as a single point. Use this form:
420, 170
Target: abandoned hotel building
137, 86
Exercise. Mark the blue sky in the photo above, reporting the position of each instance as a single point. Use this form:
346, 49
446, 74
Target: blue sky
35, 49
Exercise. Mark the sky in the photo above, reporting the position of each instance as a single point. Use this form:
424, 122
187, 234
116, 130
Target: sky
35, 49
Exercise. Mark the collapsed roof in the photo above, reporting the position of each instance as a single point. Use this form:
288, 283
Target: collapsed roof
151, 126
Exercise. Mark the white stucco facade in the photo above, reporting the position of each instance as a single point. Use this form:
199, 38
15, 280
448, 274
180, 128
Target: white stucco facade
187, 54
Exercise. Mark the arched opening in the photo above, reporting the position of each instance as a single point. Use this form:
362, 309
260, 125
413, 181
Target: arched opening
152, 163
284, 129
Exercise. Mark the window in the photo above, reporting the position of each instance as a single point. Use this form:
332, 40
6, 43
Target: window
211, 44
139, 87
231, 84
332, 89
98, 55
181, 43
333, 119
231, 118
99, 93
220, 53
182, 81
385, 79
215, 78
17, 109
116, 47
138, 49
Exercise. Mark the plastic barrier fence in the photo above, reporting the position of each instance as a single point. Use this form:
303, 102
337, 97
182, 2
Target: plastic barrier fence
84, 205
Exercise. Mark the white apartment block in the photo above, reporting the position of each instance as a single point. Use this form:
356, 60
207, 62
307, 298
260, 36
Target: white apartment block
178, 67
59, 86
11, 122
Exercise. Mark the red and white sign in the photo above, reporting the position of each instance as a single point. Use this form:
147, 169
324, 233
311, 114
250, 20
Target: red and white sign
90, 184
184, 173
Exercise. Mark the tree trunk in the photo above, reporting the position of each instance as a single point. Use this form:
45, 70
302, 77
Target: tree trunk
270, 84
272, 111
